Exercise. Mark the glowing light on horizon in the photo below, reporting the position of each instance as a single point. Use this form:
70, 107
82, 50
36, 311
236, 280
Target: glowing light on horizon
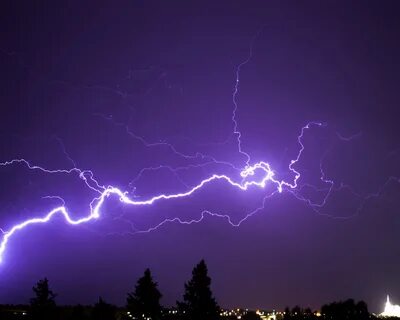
391, 310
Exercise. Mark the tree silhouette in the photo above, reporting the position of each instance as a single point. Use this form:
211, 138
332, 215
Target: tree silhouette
298, 313
346, 310
43, 304
103, 310
198, 301
145, 301
286, 314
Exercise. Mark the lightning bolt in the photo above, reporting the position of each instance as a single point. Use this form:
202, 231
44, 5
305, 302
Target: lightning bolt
267, 176
252, 176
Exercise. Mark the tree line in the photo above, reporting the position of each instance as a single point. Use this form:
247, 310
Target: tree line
143, 303
198, 303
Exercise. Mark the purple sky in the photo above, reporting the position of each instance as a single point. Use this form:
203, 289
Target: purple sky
84, 83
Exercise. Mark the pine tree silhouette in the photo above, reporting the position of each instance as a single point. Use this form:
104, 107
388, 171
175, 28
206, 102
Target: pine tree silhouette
145, 301
43, 304
198, 301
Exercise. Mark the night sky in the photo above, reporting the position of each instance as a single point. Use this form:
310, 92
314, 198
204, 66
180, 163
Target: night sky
118, 86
